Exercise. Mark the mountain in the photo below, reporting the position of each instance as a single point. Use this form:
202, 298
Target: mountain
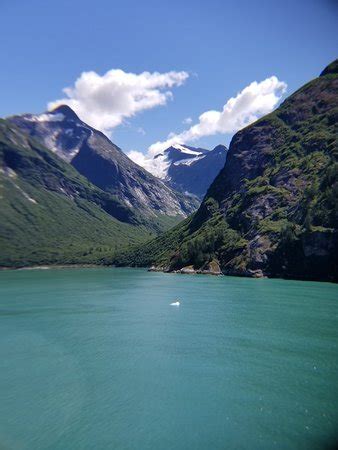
52, 214
273, 208
103, 163
190, 169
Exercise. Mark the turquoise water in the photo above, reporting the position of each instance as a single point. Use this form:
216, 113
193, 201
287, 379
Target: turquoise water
98, 359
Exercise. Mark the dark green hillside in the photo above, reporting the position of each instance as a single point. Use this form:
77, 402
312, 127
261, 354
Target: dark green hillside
52, 214
273, 209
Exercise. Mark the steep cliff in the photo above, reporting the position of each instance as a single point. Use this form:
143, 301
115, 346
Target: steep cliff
272, 210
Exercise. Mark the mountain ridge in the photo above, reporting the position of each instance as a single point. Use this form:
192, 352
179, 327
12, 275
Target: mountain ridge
272, 210
104, 163
51, 214
191, 169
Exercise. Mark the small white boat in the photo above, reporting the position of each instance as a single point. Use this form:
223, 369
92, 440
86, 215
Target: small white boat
177, 303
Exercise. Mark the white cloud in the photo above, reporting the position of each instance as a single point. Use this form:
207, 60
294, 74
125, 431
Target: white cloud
157, 166
254, 101
105, 101
141, 131
187, 121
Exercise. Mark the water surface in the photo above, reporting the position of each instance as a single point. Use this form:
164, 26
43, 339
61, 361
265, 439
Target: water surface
98, 359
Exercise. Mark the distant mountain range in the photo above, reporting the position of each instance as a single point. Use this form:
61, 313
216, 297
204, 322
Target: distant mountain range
69, 195
273, 209
103, 163
190, 169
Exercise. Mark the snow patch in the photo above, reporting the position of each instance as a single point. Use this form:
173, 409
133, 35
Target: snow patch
32, 200
10, 172
159, 163
46, 117
158, 166
189, 161
51, 142
29, 198
185, 149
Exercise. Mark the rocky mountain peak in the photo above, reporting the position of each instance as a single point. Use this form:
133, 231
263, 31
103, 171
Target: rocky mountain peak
103, 163
66, 111
191, 169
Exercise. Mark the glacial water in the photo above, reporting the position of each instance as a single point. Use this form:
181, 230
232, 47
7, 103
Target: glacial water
99, 359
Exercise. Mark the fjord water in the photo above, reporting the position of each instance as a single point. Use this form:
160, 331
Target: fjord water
98, 359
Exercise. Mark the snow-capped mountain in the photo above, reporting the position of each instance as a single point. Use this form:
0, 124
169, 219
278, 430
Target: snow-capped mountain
103, 163
190, 169
60, 130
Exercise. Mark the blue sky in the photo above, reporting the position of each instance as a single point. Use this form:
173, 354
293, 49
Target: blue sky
222, 45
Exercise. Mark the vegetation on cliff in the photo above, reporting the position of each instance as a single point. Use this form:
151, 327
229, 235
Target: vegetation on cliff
50, 214
273, 209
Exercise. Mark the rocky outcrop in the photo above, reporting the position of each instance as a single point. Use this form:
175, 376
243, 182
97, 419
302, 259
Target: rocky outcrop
210, 268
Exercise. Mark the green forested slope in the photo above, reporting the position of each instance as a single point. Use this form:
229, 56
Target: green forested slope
51, 214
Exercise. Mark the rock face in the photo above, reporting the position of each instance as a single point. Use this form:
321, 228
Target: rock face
273, 209
103, 163
190, 169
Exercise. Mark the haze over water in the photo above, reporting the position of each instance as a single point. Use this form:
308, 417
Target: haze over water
97, 358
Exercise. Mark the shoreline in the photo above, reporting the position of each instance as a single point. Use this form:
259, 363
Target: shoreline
55, 266
183, 271
256, 275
